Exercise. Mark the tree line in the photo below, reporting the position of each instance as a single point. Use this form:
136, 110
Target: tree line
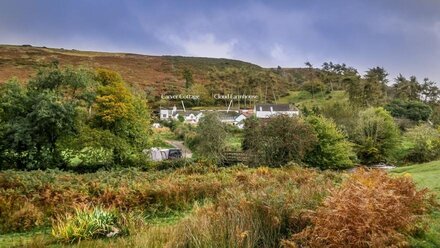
71, 118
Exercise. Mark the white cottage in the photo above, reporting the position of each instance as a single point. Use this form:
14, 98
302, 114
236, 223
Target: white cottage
191, 117
268, 110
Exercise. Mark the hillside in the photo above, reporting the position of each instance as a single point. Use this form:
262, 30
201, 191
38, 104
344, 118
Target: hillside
140, 70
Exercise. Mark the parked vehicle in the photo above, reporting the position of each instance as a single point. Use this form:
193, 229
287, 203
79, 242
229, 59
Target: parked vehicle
159, 154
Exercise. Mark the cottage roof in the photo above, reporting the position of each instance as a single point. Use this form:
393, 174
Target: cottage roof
275, 107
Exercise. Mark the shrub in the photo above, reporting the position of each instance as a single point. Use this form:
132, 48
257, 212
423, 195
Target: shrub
210, 138
425, 144
332, 150
88, 224
376, 135
278, 140
413, 110
370, 209
170, 164
313, 86
343, 114
51, 193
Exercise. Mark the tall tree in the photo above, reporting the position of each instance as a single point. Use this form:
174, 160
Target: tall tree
369, 90
32, 123
430, 91
407, 89
188, 76
210, 139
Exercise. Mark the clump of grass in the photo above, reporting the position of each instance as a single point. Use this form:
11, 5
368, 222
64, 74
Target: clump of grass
20, 218
88, 224
370, 209
264, 208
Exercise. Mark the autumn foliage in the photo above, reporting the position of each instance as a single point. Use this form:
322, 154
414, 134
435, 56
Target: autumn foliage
370, 209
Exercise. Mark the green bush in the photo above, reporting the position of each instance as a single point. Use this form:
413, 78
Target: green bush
332, 151
210, 138
343, 114
278, 140
88, 224
88, 156
376, 136
413, 110
68, 118
424, 144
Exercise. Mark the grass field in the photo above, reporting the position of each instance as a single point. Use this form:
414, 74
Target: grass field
426, 175
304, 98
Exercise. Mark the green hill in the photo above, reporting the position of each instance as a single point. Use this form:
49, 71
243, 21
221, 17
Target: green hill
305, 99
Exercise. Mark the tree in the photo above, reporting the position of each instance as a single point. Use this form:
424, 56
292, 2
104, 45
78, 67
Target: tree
435, 117
374, 86
187, 75
376, 136
314, 86
413, 110
44, 121
278, 140
334, 75
32, 123
123, 113
430, 92
407, 89
250, 139
113, 105
210, 139
369, 90
200, 90
343, 114
332, 150
106, 77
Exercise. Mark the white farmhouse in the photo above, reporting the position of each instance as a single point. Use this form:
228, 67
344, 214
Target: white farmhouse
191, 117
232, 118
268, 110
166, 114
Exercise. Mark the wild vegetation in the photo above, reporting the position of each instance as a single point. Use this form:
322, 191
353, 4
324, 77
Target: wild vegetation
73, 168
72, 118
235, 206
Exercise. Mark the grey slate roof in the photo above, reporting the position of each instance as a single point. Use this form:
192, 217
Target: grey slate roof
275, 107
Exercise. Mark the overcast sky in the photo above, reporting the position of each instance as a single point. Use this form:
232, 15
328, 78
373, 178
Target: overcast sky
401, 35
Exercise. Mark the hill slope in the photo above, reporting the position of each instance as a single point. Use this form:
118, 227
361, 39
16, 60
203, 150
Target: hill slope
141, 70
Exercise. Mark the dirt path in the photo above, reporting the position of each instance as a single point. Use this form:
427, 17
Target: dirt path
186, 152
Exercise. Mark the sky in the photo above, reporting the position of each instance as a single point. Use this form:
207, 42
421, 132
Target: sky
403, 36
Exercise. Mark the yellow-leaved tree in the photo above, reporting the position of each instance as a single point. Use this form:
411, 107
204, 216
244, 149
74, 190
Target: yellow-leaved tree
123, 112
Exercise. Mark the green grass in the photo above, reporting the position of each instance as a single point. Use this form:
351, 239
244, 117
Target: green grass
426, 175
304, 98
233, 141
159, 137
20, 239
42, 237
